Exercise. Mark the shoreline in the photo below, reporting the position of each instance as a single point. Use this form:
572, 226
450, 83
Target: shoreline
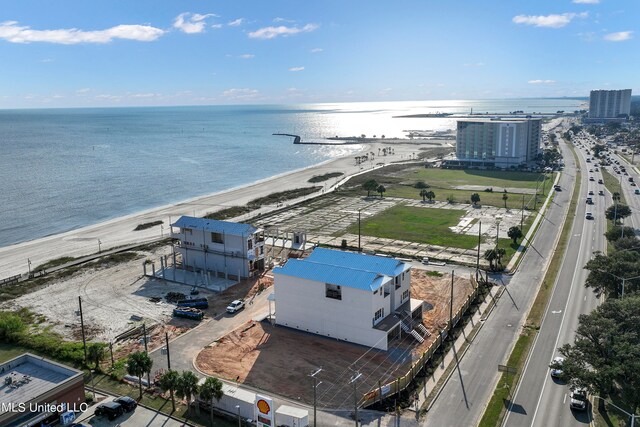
119, 231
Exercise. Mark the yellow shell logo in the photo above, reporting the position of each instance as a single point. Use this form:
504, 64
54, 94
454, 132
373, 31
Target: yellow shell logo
263, 407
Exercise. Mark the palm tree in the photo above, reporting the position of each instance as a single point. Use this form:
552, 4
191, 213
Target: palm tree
423, 194
616, 197
490, 255
370, 185
138, 364
430, 195
504, 198
381, 190
475, 198
500, 252
96, 353
210, 390
187, 387
169, 382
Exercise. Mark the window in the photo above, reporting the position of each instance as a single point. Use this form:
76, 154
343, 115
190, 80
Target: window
375, 292
187, 231
333, 291
405, 295
398, 282
250, 244
217, 238
378, 315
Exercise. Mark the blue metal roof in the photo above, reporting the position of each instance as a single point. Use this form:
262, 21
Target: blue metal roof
377, 264
216, 226
335, 275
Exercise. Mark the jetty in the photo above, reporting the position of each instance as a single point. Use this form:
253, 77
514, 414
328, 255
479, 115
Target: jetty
298, 140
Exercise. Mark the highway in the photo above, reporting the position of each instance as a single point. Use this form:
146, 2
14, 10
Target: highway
540, 400
464, 397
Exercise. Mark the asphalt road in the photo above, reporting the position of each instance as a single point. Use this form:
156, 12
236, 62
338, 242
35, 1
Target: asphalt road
540, 400
467, 392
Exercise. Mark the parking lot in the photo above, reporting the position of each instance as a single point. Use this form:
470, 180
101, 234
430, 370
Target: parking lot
138, 418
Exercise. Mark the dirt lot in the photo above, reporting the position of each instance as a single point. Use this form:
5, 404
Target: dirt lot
112, 295
279, 359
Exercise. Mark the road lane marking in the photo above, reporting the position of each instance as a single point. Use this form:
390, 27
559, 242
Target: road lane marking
565, 399
556, 311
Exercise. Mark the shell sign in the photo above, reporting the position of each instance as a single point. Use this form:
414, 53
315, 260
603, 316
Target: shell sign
264, 411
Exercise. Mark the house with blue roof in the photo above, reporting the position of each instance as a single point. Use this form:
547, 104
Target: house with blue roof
354, 297
226, 249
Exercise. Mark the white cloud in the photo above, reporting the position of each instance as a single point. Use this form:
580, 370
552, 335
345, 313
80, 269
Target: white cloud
14, 33
586, 1
191, 23
46, 60
236, 22
273, 32
541, 82
217, 26
316, 50
550, 21
294, 69
83, 91
246, 56
241, 93
619, 36
278, 19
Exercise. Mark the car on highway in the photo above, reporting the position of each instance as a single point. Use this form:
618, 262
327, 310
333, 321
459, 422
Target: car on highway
589, 201
601, 192
111, 410
236, 305
591, 178
637, 191
600, 181
591, 192
556, 364
578, 399
589, 215
128, 404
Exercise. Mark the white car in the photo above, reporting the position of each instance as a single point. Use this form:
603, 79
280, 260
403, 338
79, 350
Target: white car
578, 399
556, 366
236, 305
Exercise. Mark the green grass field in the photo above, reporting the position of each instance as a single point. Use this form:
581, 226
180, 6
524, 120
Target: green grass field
514, 201
447, 178
420, 225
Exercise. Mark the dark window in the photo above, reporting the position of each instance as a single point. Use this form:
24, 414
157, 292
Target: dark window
333, 291
217, 238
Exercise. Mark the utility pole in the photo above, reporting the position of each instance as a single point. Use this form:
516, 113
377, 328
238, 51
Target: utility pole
166, 340
144, 334
29, 267
99, 243
111, 350
479, 241
355, 394
453, 273
359, 231
315, 386
84, 341
522, 217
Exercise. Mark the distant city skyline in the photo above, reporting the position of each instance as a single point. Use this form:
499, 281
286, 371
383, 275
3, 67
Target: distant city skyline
155, 53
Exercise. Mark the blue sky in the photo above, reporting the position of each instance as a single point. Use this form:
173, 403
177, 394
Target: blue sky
156, 52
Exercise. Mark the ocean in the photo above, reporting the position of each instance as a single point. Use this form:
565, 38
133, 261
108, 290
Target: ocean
62, 169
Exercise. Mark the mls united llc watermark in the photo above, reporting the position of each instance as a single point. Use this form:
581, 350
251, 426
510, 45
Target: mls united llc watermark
42, 407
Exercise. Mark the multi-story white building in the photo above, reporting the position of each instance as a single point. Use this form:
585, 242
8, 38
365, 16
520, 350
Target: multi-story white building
348, 296
227, 249
502, 143
609, 104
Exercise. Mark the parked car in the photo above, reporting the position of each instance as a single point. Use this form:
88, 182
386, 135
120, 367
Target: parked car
578, 399
236, 305
556, 364
111, 410
425, 261
128, 404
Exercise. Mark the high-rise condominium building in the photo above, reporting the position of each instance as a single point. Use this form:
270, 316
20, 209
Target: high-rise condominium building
609, 104
501, 143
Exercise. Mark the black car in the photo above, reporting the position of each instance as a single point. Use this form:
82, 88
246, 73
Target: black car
111, 410
128, 404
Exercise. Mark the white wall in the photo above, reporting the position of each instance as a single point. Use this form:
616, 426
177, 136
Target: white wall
302, 304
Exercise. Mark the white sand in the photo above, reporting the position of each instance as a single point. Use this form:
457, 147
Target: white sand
119, 231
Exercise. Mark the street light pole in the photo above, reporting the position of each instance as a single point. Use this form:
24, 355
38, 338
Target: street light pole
315, 386
632, 416
29, 267
355, 395
239, 421
99, 243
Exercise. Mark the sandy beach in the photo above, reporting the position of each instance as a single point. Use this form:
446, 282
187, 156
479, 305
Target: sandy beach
119, 231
